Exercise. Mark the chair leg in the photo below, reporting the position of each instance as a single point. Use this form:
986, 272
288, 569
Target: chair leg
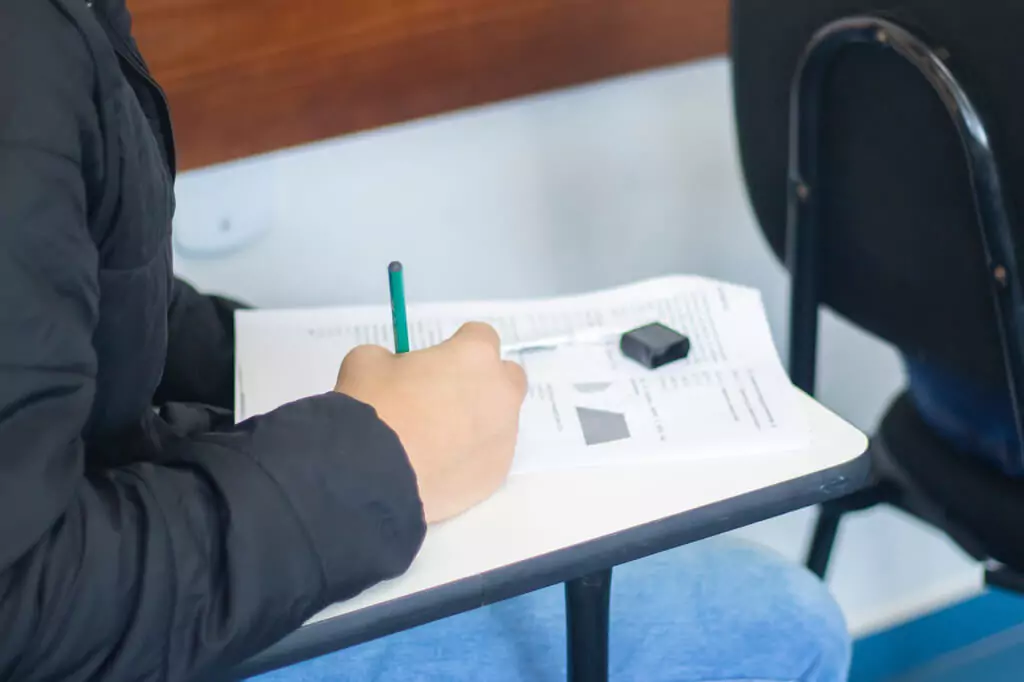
1004, 578
587, 605
824, 539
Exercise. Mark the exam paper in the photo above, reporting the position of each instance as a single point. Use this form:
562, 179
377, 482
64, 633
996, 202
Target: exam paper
587, 404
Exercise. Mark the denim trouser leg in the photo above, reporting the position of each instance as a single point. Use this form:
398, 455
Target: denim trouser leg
716, 611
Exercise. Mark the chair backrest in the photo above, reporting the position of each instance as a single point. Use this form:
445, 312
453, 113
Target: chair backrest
901, 252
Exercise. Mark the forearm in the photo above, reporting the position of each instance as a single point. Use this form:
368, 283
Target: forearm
168, 572
200, 349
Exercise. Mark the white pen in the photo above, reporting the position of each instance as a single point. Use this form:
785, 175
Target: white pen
585, 336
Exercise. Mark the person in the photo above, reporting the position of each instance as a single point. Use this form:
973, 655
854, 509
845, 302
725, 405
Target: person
978, 421
722, 610
145, 536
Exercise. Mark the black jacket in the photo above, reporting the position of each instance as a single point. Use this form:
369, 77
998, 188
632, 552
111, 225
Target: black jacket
142, 536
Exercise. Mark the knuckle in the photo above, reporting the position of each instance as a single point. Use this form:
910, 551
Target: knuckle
478, 327
517, 378
481, 333
477, 350
480, 353
362, 356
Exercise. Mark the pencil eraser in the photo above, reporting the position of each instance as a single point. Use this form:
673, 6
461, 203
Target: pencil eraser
655, 345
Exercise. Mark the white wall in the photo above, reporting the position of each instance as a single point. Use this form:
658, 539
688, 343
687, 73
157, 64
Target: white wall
565, 192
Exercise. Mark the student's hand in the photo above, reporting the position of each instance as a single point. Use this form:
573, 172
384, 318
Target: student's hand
455, 407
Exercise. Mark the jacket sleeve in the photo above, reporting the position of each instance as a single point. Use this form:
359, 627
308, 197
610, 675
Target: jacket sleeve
200, 349
150, 572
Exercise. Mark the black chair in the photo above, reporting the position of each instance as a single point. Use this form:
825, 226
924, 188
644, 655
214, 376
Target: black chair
883, 148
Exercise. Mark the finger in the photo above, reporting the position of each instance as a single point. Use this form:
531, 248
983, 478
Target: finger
479, 333
517, 376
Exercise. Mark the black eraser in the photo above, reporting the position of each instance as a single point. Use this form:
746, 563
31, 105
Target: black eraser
654, 345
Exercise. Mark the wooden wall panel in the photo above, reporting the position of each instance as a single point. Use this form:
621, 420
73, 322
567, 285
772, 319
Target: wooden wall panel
249, 76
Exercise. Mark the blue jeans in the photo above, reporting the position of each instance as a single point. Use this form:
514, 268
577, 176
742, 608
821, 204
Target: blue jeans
716, 611
975, 421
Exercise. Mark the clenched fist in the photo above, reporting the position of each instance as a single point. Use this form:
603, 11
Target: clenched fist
455, 407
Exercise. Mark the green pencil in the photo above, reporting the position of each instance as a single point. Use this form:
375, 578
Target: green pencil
398, 318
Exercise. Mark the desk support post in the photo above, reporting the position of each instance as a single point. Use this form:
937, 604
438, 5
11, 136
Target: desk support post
587, 605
